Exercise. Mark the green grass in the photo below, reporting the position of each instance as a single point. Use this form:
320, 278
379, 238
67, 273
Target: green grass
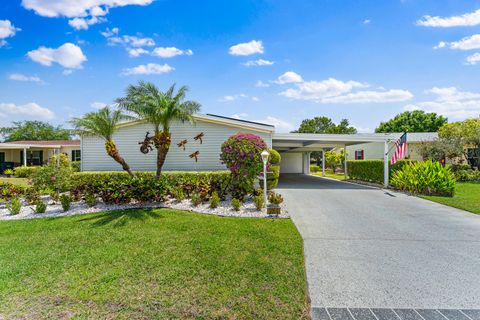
467, 197
329, 174
151, 264
16, 181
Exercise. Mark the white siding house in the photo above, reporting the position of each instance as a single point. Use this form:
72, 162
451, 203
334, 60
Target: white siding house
216, 130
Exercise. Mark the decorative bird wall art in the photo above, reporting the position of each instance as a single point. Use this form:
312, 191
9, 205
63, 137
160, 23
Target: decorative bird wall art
195, 155
146, 144
199, 137
182, 144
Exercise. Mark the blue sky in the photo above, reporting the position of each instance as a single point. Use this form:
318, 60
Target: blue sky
276, 61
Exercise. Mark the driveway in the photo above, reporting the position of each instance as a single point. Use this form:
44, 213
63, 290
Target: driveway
372, 250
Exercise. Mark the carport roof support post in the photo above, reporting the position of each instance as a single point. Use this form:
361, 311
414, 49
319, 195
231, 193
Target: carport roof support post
385, 165
345, 161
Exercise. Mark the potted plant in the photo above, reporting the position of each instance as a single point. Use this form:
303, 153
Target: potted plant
8, 172
274, 199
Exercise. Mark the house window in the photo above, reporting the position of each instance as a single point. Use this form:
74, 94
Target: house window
359, 155
76, 155
34, 158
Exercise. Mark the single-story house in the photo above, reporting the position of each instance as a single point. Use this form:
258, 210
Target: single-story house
29, 153
295, 148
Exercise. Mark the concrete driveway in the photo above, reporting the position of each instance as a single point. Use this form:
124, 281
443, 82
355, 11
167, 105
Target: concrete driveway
371, 251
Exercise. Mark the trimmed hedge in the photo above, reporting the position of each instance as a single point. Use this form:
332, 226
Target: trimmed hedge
25, 172
372, 170
119, 187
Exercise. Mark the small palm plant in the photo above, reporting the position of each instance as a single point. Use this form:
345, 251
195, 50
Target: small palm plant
160, 109
103, 123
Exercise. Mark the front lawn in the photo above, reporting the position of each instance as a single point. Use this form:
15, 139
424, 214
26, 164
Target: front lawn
143, 264
16, 181
467, 197
329, 174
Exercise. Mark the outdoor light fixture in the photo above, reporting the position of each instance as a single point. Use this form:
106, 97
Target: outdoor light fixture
265, 155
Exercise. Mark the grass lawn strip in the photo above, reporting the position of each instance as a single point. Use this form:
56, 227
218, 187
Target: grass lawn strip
158, 263
467, 197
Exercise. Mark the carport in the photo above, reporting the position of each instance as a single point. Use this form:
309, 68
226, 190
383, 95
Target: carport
295, 148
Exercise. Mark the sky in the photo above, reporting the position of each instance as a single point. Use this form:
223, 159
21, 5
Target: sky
274, 61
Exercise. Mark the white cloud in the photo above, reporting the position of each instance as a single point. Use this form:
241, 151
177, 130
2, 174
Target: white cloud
261, 84
84, 9
247, 48
230, 98
473, 59
67, 55
150, 68
7, 30
450, 102
136, 52
467, 43
258, 63
110, 32
464, 20
30, 110
22, 77
288, 77
98, 105
367, 21
336, 91
131, 41
240, 115
280, 125
170, 52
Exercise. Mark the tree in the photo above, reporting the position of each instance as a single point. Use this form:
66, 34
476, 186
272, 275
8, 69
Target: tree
34, 130
160, 109
412, 121
334, 158
463, 134
103, 123
324, 125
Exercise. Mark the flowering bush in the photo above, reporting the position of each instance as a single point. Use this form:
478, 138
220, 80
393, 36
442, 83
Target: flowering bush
241, 154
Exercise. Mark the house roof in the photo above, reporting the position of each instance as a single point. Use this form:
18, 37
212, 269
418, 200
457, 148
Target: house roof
40, 144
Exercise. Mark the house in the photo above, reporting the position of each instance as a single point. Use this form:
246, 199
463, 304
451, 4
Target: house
295, 148
29, 153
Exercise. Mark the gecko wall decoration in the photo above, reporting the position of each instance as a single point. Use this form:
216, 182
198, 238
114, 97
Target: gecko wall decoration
195, 155
182, 144
199, 137
146, 144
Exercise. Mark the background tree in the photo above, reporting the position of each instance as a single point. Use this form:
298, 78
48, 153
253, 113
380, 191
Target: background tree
103, 123
413, 121
160, 109
334, 159
324, 125
463, 134
34, 130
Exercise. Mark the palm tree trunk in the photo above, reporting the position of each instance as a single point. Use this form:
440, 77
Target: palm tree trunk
162, 141
113, 152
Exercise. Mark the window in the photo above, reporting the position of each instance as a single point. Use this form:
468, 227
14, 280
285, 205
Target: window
76, 155
359, 155
34, 158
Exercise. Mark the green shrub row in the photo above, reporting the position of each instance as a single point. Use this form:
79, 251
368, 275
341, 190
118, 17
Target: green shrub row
119, 187
427, 178
8, 191
314, 168
467, 175
372, 170
25, 172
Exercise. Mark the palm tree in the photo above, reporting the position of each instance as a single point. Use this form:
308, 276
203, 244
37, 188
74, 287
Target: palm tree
159, 108
103, 123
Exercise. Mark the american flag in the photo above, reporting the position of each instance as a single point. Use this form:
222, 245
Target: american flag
400, 149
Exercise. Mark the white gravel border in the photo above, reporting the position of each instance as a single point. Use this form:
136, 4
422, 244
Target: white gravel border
224, 209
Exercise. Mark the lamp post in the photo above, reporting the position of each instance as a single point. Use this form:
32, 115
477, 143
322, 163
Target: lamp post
265, 155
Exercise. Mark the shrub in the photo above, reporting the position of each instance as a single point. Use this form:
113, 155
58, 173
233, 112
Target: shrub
259, 202
75, 166
196, 199
372, 170
314, 168
428, 178
275, 198
272, 178
90, 199
25, 172
14, 206
236, 203
214, 200
8, 172
66, 202
31, 196
40, 207
119, 187
64, 162
467, 175
52, 178
8, 191
274, 157
242, 155
178, 194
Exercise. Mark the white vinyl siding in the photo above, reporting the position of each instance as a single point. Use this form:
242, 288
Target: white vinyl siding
94, 157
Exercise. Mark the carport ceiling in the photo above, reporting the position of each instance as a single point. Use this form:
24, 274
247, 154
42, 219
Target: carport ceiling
305, 142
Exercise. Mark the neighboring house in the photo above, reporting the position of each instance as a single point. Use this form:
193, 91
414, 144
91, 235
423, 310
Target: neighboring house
295, 148
375, 150
30, 153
